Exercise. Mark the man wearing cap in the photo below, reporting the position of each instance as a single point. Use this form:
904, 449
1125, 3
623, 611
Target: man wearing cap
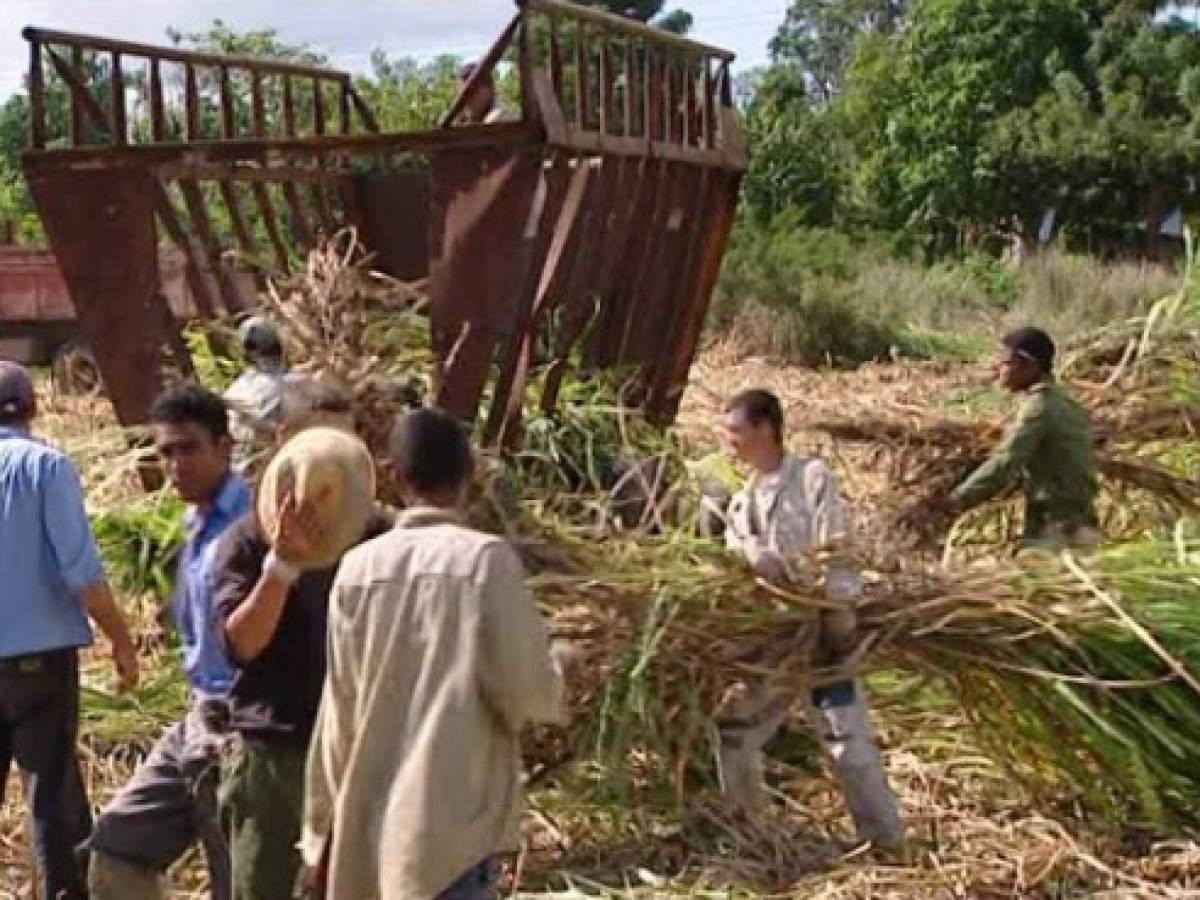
53, 581
271, 608
170, 803
254, 398
1048, 449
437, 658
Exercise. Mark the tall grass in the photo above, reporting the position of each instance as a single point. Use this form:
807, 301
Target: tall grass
819, 297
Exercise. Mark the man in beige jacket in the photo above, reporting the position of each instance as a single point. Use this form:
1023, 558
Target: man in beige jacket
437, 657
790, 506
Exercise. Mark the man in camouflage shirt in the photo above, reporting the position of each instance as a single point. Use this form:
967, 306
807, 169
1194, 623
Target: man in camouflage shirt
1048, 449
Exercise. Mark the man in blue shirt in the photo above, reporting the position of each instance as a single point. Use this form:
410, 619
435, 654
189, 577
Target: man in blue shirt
53, 581
170, 803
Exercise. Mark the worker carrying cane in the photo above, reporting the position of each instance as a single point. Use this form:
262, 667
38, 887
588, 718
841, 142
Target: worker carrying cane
1048, 450
792, 505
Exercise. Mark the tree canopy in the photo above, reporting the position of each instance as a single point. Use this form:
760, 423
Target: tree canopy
938, 118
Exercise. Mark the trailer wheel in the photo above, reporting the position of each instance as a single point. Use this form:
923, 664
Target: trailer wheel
75, 371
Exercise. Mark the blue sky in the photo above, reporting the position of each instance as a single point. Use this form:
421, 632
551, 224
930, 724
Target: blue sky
347, 30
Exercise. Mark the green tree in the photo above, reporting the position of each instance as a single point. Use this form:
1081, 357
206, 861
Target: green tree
650, 11
929, 160
819, 37
795, 163
406, 95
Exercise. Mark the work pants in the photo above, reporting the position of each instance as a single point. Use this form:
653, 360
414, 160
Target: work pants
262, 808
168, 805
39, 724
839, 716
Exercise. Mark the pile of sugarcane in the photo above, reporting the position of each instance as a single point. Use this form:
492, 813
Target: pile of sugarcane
1078, 675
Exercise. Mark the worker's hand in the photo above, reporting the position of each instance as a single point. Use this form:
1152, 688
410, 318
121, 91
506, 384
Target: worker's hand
765, 562
839, 631
126, 660
298, 533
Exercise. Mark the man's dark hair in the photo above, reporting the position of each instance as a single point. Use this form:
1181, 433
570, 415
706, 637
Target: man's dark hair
759, 406
1032, 344
430, 450
191, 404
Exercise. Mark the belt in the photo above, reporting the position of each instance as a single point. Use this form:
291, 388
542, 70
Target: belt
29, 664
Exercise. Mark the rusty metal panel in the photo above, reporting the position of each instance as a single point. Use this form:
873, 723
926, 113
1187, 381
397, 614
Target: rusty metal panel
553, 280
660, 288
667, 392
581, 294
504, 416
101, 227
485, 197
395, 211
605, 346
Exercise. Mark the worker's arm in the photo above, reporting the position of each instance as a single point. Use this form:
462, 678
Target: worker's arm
1007, 460
98, 600
65, 521
517, 675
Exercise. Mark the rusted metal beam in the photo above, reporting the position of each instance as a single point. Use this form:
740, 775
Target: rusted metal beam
555, 276
324, 209
556, 60
266, 209
241, 229
289, 109
191, 95
101, 228
631, 86
364, 111
258, 109
206, 301
482, 71
78, 132
710, 108
606, 88
172, 54
663, 404
117, 88
158, 132
344, 124
623, 25
272, 174
301, 229
508, 135
578, 300
37, 97
193, 198
318, 101
228, 107
485, 195
504, 416
80, 93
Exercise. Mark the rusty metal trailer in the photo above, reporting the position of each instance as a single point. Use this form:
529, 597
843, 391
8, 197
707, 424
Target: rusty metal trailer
604, 209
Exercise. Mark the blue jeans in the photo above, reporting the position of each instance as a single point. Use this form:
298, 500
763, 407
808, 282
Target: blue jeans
39, 720
477, 883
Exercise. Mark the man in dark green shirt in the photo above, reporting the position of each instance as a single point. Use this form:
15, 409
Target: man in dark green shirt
1048, 449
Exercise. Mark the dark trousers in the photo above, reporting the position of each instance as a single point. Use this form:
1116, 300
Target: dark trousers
39, 723
262, 809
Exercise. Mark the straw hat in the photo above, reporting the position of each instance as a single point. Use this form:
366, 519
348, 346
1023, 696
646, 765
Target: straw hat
332, 470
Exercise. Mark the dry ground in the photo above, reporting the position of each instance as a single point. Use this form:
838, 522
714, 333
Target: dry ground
975, 835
